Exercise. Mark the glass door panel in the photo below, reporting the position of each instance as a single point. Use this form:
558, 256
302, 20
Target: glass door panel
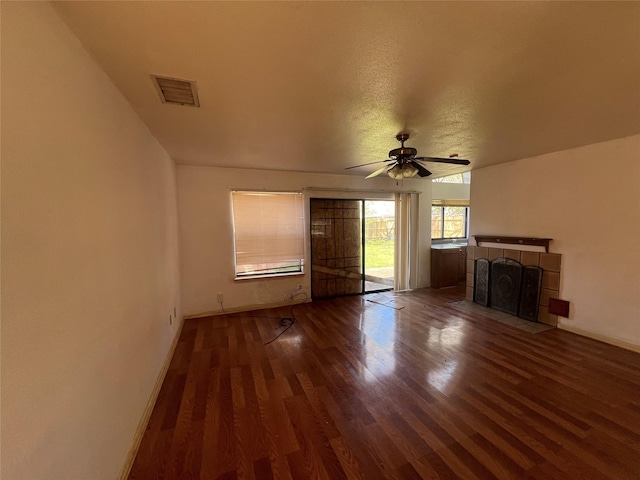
352, 246
379, 244
336, 247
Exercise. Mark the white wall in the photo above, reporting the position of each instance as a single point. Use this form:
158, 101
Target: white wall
206, 232
89, 257
588, 200
451, 191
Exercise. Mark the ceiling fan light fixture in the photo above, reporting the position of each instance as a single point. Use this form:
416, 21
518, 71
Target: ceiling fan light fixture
396, 172
409, 170
406, 163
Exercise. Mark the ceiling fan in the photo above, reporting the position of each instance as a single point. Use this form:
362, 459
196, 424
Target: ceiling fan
405, 164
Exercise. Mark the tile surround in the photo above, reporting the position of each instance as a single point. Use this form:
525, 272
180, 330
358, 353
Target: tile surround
549, 262
551, 280
469, 294
546, 294
512, 254
481, 252
471, 252
471, 265
495, 253
469, 278
530, 258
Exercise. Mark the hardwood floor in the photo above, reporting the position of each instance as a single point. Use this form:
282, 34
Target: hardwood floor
362, 390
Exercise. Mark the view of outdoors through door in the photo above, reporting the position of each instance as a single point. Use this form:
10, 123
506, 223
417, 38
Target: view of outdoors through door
379, 244
352, 246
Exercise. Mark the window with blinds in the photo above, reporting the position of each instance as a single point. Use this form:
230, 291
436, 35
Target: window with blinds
449, 219
268, 233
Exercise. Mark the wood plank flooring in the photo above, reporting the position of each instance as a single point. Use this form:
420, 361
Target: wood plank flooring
360, 390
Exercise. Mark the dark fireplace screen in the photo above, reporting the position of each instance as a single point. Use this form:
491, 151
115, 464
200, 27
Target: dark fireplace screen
481, 284
506, 285
505, 278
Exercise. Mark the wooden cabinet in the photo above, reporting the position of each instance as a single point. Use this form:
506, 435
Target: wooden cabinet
448, 266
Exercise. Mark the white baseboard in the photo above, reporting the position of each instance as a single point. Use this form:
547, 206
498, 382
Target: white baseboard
601, 338
246, 308
146, 415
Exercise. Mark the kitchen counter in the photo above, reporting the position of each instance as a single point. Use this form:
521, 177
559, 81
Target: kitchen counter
444, 246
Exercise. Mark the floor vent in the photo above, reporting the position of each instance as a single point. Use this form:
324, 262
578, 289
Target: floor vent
176, 91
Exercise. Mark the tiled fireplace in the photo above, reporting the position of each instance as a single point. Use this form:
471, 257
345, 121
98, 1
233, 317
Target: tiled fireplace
550, 263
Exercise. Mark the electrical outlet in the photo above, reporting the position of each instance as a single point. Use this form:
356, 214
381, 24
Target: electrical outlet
174, 311
219, 297
170, 319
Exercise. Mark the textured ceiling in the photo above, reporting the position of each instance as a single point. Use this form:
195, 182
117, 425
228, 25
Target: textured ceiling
319, 86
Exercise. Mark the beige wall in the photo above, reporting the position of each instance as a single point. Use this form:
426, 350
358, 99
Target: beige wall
90, 249
588, 200
206, 233
451, 191
89, 257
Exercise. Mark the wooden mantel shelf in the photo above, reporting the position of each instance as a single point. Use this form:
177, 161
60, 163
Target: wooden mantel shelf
538, 242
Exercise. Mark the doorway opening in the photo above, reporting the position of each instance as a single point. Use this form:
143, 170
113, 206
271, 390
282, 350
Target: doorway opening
352, 246
379, 244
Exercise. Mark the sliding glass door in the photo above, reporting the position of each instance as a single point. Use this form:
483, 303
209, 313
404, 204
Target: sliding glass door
379, 244
352, 245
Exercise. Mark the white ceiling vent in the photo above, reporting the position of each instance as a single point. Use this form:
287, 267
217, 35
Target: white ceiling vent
177, 91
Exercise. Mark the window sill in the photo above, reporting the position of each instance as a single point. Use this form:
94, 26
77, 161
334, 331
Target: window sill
268, 275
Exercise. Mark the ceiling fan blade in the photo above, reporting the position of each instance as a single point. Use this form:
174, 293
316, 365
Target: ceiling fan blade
377, 172
454, 161
370, 163
423, 172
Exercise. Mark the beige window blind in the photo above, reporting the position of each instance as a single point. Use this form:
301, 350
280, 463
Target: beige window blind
268, 232
450, 203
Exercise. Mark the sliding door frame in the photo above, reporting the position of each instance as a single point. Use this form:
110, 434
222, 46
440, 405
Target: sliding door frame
362, 243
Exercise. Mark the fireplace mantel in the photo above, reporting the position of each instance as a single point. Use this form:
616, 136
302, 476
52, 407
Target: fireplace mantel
538, 242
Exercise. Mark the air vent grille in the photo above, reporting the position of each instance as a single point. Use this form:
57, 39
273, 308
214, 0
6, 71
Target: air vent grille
176, 91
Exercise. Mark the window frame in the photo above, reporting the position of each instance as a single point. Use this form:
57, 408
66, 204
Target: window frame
441, 207
270, 272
